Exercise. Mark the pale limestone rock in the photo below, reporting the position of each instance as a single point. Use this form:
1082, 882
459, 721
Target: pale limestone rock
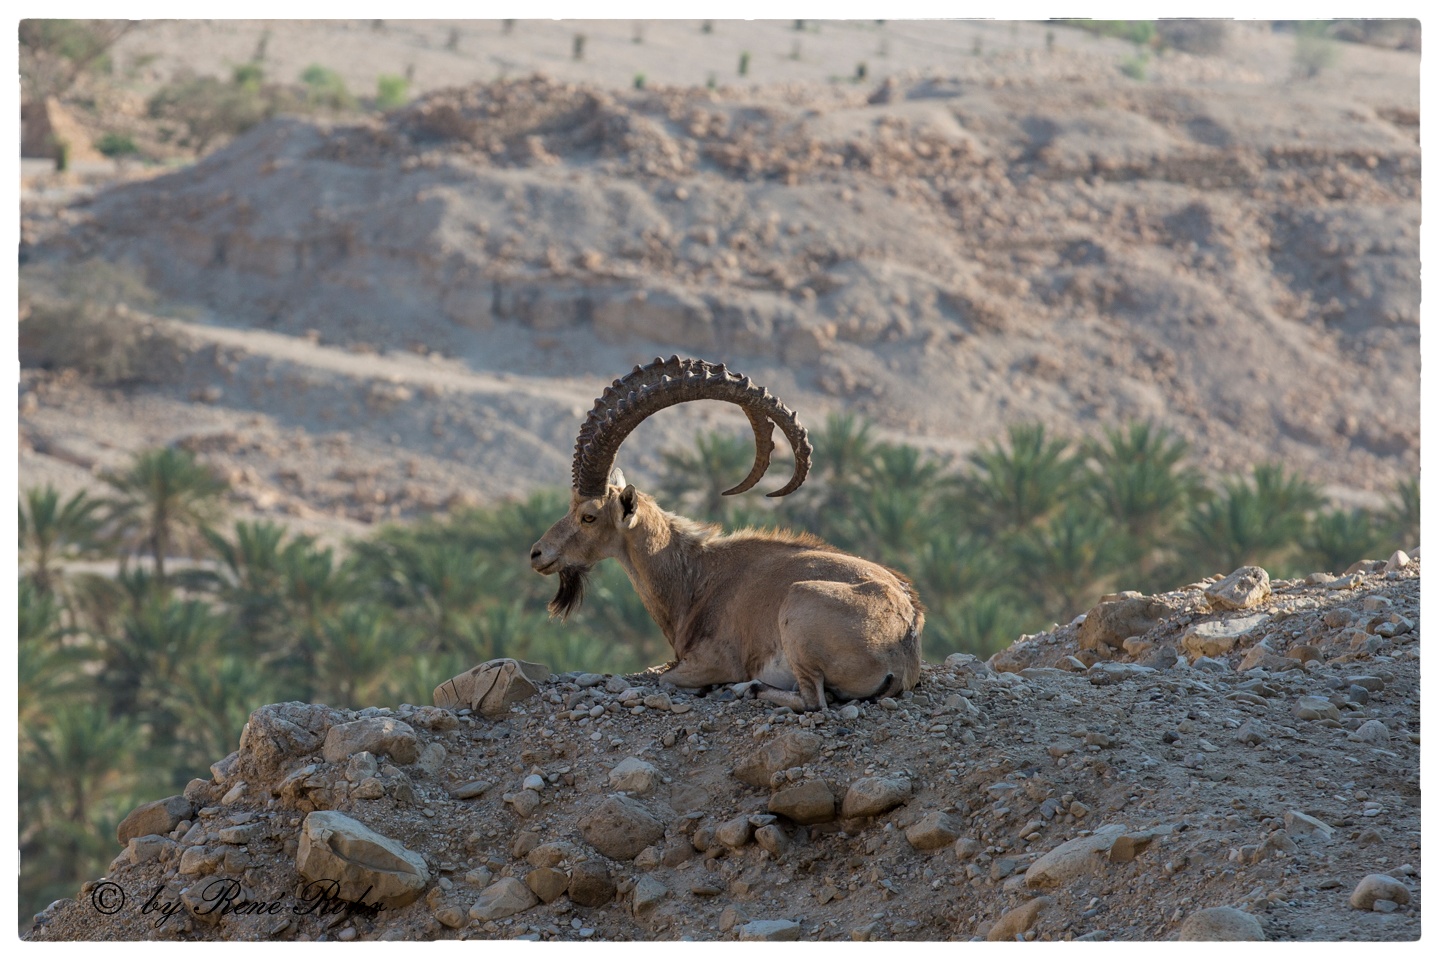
340, 849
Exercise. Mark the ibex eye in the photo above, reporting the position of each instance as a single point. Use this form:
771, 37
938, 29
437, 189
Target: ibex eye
587, 518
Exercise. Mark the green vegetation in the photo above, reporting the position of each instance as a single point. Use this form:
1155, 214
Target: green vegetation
1315, 49
391, 91
325, 88
117, 145
132, 683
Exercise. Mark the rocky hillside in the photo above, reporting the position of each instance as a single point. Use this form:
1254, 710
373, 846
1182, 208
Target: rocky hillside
1031, 234
1235, 759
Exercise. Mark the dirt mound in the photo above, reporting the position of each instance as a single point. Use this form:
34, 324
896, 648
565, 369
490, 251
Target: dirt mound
1263, 759
1032, 237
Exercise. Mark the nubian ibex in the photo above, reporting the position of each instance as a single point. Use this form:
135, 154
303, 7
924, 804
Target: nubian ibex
784, 609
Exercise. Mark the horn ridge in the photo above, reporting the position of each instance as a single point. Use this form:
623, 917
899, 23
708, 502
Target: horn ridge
662, 383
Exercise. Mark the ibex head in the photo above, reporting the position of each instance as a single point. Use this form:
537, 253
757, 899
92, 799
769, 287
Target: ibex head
602, 506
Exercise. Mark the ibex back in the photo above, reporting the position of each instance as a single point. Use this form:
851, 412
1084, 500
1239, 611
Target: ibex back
784, 609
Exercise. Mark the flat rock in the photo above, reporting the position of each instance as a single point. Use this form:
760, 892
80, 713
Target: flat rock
807, 802
1214, 638
157, 817
794, 748
1376, 887
1241, 590
492, 687
1072, 858
772, 930
1299, 824
382, 736
634, 776
337, 848
1107, 625
872, 796
621, 827
1315, 708
1221, 923
503, 898
647, 894
1018, 919
1107, 673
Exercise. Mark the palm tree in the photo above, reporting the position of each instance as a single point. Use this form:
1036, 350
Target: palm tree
1065, 562
165, 499
980, 624
1404, 513
1337, 538
1015, 488
78, 776
216, 696
1248, 522
693, 479
52, 532
356, 648
47, 668
1138, 480
140, 664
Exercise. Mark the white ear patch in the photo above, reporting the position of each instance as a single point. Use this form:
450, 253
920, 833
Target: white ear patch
631, 520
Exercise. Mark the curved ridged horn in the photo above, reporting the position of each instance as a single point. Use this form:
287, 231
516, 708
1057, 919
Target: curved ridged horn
663, 383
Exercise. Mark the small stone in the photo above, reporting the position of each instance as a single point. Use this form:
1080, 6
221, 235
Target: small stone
156, 817
808, 802
381, 736
933, 831
503, 898
773, 839
1371, 731
634, 776
1378, 886
770, 930
1221, 923
471, 789
590, 884
734, 833
547, 883
872, 796
1019, 919
1315, 708
1399, 560
647, 894
1241, 590
1299, 824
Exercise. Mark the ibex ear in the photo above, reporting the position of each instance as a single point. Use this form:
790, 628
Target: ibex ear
628, 498
617, 478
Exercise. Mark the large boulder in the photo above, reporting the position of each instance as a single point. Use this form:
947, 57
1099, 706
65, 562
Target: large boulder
1109, 624
336, 849
621, 827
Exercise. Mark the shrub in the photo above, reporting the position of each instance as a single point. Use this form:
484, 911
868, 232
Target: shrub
78, 317
325, 88
1203, 37
208, 108
117, 145
1314, 50
391, 91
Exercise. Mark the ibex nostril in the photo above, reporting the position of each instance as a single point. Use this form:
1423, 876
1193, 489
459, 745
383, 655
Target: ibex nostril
535, 553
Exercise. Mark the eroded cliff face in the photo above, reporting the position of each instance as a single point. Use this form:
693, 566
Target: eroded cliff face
1030, 238
1234, 759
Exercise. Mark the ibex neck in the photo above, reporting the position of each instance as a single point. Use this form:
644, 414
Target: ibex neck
663, 558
